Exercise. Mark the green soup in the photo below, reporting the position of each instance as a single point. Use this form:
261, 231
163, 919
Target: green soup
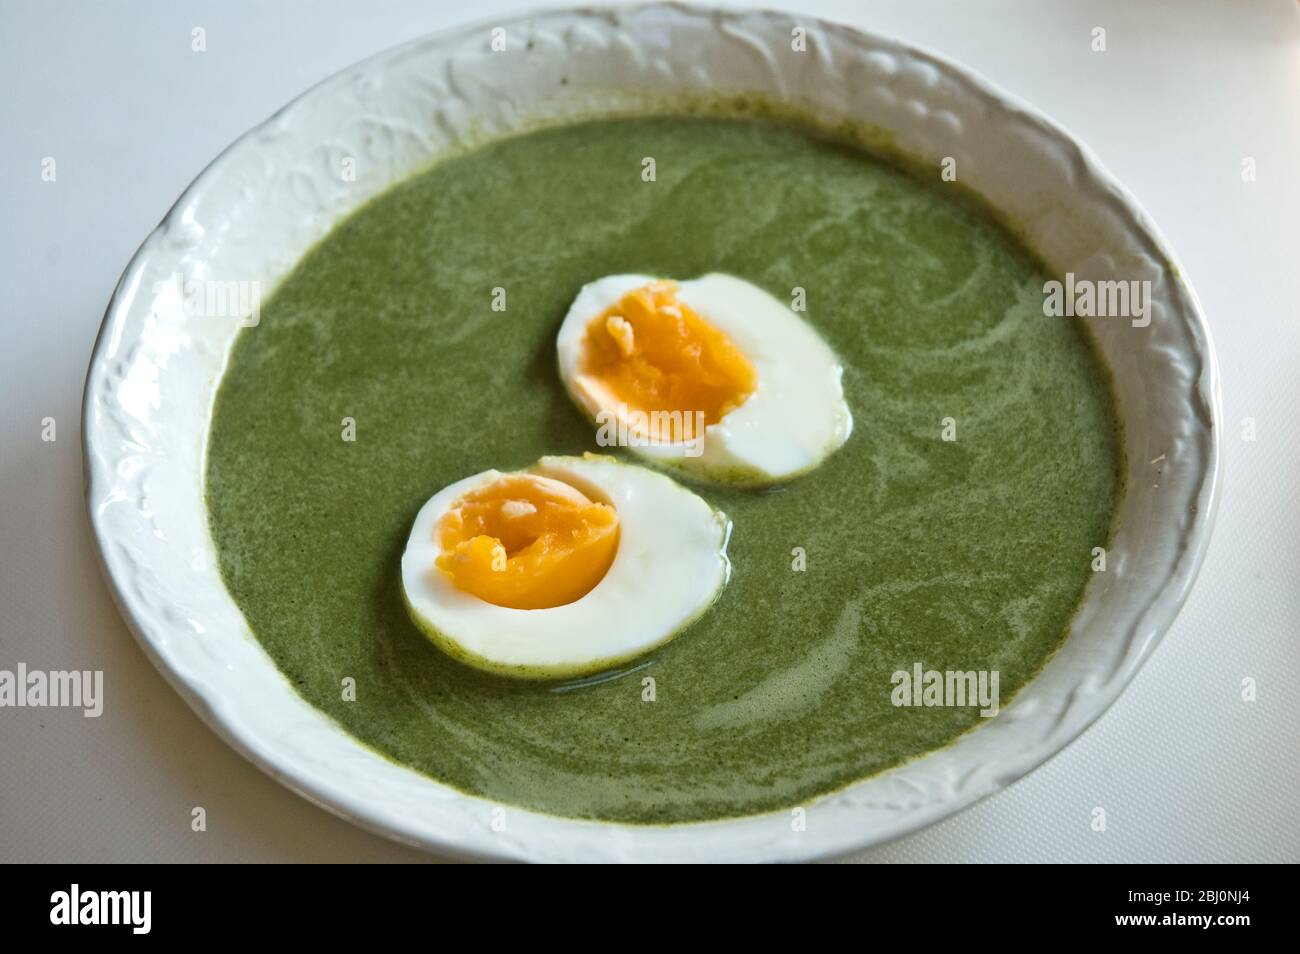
904, 548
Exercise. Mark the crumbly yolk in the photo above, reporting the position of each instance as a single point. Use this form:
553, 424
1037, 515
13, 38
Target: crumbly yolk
651, 353
527, 542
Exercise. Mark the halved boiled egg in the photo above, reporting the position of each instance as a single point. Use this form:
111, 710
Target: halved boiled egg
714, 376
570, 567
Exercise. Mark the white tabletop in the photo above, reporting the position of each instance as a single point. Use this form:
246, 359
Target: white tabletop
1185, 769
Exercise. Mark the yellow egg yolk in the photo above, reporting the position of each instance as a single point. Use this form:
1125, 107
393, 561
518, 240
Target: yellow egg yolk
527, 542
651, 353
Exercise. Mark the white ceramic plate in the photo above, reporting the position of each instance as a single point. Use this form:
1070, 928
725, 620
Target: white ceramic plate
262, 203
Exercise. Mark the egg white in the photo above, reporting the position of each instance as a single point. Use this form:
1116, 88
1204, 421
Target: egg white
797, 415
670, 564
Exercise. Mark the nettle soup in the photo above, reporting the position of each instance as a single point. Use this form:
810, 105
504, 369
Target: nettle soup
404, 386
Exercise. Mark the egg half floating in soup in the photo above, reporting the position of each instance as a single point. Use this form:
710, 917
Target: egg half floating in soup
568, 568
713, 376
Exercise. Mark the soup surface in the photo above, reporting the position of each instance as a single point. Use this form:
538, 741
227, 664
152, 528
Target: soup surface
903, 548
